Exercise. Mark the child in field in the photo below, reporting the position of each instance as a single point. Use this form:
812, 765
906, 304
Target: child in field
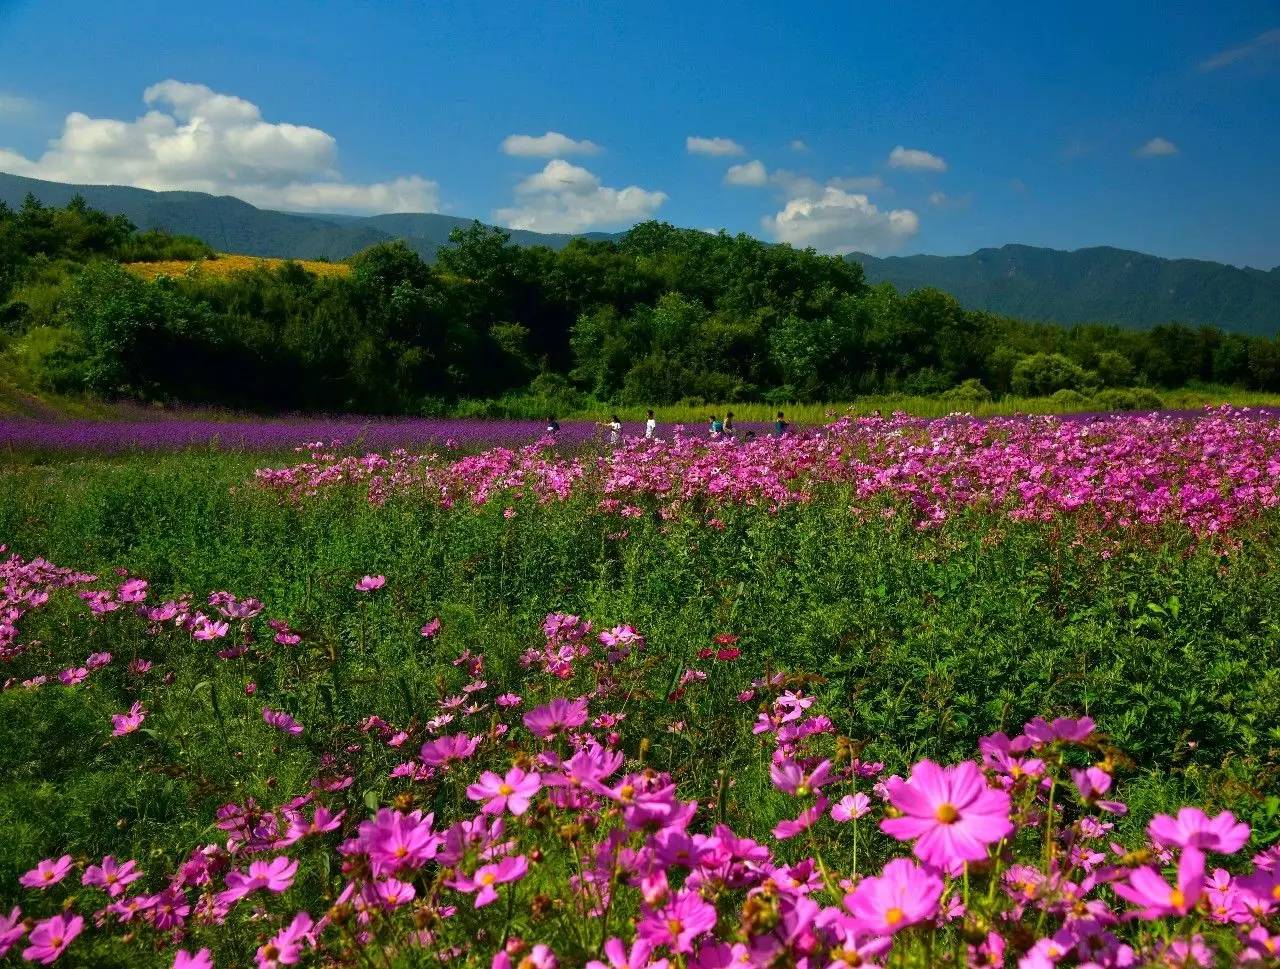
729, 427
615, 429
553, 425
650, 426
717, 426
780, 426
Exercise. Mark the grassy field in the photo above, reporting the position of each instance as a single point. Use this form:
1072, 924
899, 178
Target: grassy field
915, 643
228, 264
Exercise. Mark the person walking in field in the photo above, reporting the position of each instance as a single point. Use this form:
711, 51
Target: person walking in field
717, 426
615, 429
650, 426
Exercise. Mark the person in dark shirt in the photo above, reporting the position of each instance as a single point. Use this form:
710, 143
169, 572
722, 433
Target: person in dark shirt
780, 426
553, 425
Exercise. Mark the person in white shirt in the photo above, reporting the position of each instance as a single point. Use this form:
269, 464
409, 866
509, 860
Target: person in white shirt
650, 427
615, 430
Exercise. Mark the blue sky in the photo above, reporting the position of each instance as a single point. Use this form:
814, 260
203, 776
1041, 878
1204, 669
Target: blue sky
1135, 125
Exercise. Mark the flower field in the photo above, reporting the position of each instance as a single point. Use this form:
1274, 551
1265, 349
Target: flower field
896, 692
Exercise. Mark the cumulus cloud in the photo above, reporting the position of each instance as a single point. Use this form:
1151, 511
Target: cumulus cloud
1266, 44
798, 145
916, 160
713, 146
751, 174
1157, 148
197, 139
858, 183
841, 222
567, 198
551, 145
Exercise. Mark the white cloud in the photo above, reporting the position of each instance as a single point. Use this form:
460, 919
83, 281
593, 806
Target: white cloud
15, 106
840, 222
942, 200
751, 174
551, 145
567, 198
858, 183
798, 145
197, 139
1157, 148
938, 198
916, 160
713, 146
1267, 42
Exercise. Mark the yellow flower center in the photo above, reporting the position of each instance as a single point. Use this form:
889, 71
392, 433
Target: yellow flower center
505, 789
674, 926
894, 916
1177, 899
947, 814
488, 878
626, 792
1275, 891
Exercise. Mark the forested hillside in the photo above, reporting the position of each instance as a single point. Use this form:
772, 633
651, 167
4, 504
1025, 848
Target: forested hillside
657, 316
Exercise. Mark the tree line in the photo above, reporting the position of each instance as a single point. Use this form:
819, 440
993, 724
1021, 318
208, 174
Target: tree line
659, 316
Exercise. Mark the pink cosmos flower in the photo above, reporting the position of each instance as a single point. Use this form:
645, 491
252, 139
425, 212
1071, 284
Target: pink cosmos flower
950, 811
11, 930
189, 960
851, 807
488, 876
431, 629
275, 875
392, 893
446, 750
1064, 728
48, 872
1194, 829
558, 716
508, 700
127, 723
281, 721
50, 938
370, 582
802, 822
789, 777
98, 660
619, 958
134, 590
511, 793
901, 895
1155, 897
395, 841
110, 876
73, 675
285, 947
685, 917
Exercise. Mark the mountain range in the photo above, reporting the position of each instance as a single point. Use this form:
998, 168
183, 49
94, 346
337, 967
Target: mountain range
1098, 284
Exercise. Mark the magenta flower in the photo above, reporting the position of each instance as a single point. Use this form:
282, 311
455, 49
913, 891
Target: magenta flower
73, 675
901, 895
281, 721
615, 951
950, 812
392, 893
285, 947
446, 750
851, 807
685, 917
48, 872
1194, 829
431, 629
275, 875
558, 716
511, 793
110, 876
11, 930
1064, 728
395, 841
197, 960
488, 876
127, 723
802, 822
370, 582
789, 777
1155, 897
50, 938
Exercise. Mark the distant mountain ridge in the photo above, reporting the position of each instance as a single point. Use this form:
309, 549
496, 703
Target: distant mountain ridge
1100, 284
